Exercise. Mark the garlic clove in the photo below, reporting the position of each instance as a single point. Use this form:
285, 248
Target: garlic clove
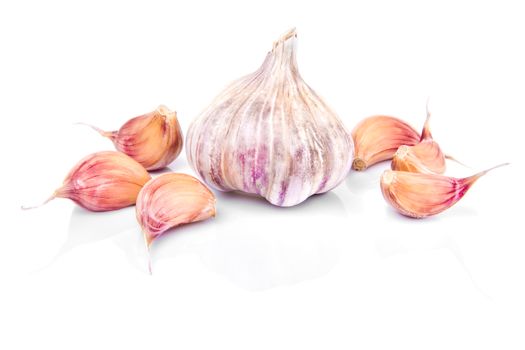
270, 134
170, 200
424, 157
153, 139
103, 181
420, 195
377, 138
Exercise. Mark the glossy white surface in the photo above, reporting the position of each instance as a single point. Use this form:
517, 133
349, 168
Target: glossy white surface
342, 270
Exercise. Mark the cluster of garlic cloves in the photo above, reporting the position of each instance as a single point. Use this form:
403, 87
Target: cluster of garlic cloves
103, 181
153, 139
270, 134
415, 186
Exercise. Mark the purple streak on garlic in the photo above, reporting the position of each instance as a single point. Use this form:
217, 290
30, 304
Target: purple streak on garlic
270, 134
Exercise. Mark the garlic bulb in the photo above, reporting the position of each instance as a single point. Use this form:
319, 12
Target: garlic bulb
103, 181
153, 139
270, 134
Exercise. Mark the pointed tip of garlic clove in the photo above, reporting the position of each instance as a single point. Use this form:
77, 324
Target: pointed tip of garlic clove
108, 134
29, 207
426, 134
472, 179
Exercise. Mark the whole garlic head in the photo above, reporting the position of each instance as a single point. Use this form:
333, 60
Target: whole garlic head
270, 134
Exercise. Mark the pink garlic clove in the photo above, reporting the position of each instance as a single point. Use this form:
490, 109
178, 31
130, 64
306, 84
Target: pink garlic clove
153, 139
103, 181
420, 195
377, 139
170, 200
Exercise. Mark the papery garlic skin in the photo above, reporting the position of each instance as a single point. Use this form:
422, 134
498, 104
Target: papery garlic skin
270, 134
170, 200
153, 139
425, 157
104, 181
420, 195
377, 138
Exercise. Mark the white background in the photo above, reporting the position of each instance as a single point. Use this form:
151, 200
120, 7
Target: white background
340, 271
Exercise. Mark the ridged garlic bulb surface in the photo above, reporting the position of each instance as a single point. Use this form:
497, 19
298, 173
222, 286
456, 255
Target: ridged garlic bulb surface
270, 134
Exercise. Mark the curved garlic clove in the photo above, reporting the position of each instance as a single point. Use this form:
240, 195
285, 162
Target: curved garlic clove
153, 139
424, 157
421, 195
270, 134
103, 181
377, 138
170, 200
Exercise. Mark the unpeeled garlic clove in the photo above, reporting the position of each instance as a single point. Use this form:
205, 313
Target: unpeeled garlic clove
103, 181
420, 195
170, 200
377, 138
153, 139
425, 157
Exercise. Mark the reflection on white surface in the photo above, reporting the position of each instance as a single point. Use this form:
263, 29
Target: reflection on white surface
261, 253
359, 182
388, 245
86, 227
258, 255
